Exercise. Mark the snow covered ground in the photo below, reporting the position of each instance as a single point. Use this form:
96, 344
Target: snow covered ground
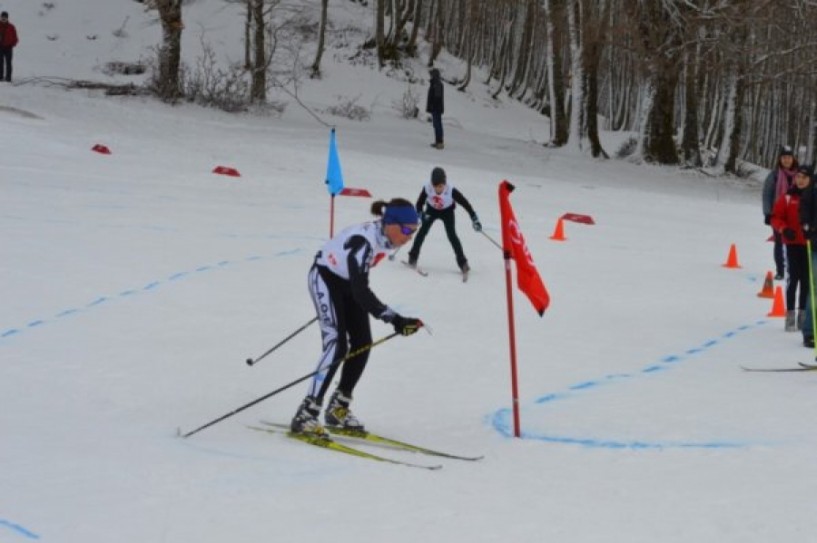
135, 284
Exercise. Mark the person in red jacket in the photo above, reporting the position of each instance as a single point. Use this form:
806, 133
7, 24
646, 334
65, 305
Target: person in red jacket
786, 221
8, 41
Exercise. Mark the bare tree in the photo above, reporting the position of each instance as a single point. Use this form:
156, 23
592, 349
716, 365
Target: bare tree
556, 86
316, 65
170, 14
258, 71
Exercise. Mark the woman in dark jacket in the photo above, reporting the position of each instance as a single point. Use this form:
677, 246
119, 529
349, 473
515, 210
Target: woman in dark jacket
436, 107
8, 41
777, 183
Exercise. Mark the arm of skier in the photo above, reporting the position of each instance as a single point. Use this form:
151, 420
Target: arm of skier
466, 205
359, 256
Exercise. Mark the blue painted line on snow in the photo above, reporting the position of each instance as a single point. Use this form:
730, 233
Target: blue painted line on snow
152, 286
501, 420
651, 369
18, 529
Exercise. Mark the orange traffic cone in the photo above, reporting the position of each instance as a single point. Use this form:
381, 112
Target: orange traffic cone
732, 259
559, 231
768, 287
778, 306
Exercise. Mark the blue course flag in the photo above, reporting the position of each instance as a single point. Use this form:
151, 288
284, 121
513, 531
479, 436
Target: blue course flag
334, 175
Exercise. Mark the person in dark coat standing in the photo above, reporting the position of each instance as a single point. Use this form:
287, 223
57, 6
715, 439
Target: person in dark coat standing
776, 185
8, 41
808, 222
435, 106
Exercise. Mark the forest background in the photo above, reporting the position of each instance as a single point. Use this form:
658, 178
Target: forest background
712, 83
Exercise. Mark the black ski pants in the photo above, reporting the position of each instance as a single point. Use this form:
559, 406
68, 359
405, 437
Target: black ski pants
447, 216
345, 328
5, 63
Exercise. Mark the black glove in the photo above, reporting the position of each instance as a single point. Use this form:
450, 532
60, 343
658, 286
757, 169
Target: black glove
767, 219
406, 325
789, 234
477, 225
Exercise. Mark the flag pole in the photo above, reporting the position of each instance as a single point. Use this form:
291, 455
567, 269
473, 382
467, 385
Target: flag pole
334, 179
331, 216
512, 343
528, 280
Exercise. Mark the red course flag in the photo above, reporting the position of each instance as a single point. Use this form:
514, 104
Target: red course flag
513, 243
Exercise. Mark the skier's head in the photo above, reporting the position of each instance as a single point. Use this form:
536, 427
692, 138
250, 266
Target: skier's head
400, 219
4, 16
438, 176
434, 73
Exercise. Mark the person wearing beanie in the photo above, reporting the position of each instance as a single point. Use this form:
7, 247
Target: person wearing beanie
435, 106
8, 41
440, 198
785, 221
808, 221
777, 184
339, 287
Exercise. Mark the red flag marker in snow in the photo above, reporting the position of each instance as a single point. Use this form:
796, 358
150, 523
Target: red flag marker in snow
528, 280
101, 149
355, 192
578, 217
514, 246
226, 170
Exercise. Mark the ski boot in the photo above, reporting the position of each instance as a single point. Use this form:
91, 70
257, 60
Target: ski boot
305, 420
338, 413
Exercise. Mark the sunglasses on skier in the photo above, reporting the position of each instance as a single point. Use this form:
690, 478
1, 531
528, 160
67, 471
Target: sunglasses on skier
407, 230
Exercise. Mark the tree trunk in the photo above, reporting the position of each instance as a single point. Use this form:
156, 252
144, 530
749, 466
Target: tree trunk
258, 85
247, 39
411, 47
170, 14
556, 83
379, 36
437, 33
316, 65
689, 142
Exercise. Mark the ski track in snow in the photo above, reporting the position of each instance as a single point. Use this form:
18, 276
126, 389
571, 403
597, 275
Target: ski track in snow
150, 286
17, 529
500, 419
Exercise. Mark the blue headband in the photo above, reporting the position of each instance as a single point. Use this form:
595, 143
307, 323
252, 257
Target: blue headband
400, 215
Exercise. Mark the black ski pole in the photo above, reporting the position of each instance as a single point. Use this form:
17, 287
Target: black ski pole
809, 255
491, 239
289, 385
253, 361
